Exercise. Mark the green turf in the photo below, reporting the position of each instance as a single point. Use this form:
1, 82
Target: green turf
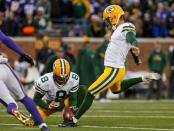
119, 115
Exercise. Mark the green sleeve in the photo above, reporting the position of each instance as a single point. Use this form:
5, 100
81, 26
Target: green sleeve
38, 100
73, 99
131, 38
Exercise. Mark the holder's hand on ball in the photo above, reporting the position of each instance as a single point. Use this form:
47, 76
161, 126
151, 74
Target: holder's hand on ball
135, 51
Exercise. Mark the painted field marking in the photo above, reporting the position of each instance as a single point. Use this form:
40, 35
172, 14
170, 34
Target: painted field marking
131, 128
99, 127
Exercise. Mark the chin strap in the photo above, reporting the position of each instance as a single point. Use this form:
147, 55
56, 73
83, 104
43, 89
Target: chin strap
59, 85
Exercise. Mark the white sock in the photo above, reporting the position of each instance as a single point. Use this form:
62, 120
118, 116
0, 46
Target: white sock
41, 125
74, 119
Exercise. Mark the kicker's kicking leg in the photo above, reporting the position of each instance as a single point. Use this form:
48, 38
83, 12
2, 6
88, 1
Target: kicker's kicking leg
126, 84
106, 80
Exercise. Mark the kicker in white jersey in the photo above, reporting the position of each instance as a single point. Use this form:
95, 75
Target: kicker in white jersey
118, 47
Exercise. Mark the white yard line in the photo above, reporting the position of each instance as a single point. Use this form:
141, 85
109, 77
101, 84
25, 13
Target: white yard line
132, 107
25, 128
138, 101
6, 124
120, 116
97, 127
133, 111
131, 128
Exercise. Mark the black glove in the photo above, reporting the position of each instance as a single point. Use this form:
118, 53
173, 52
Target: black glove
136, 58
28, 59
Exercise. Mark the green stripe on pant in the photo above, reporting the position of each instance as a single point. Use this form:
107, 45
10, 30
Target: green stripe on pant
109, 79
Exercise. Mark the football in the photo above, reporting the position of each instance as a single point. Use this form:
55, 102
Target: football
67, 114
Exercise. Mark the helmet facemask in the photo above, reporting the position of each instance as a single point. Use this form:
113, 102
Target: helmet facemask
60, 80
108, 23
61, 72
111, 16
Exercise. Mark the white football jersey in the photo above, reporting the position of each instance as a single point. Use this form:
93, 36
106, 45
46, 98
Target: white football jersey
118, 47
51, 91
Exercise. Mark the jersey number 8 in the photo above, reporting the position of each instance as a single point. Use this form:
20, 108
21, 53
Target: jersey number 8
44, 79
60, 95
75, 76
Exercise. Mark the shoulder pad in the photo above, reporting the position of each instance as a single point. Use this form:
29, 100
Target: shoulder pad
128, 27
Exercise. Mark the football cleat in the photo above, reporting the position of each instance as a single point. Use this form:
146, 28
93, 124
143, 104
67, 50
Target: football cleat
45, 128
67, 124
22, 118
70, 123
151, 76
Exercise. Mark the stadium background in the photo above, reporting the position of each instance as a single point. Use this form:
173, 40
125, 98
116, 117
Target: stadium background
66, 22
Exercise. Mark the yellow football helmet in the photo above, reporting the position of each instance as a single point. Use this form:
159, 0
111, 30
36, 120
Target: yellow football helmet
112, 14
61, 71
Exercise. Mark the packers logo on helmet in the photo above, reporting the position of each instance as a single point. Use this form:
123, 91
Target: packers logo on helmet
110, 9
112, 14
61, 71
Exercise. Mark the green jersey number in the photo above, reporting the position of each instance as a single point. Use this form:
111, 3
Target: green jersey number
44, 79
74, 76
60, 95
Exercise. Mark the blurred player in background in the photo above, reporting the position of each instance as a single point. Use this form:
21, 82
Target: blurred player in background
43, 54
59, 53
84, 63
171, 64
57, 89
122, 41
10, 84
156, 63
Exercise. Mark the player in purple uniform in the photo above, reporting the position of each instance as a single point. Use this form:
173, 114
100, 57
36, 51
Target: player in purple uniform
10, 84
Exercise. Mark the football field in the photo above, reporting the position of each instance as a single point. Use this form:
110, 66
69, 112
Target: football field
119, 115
